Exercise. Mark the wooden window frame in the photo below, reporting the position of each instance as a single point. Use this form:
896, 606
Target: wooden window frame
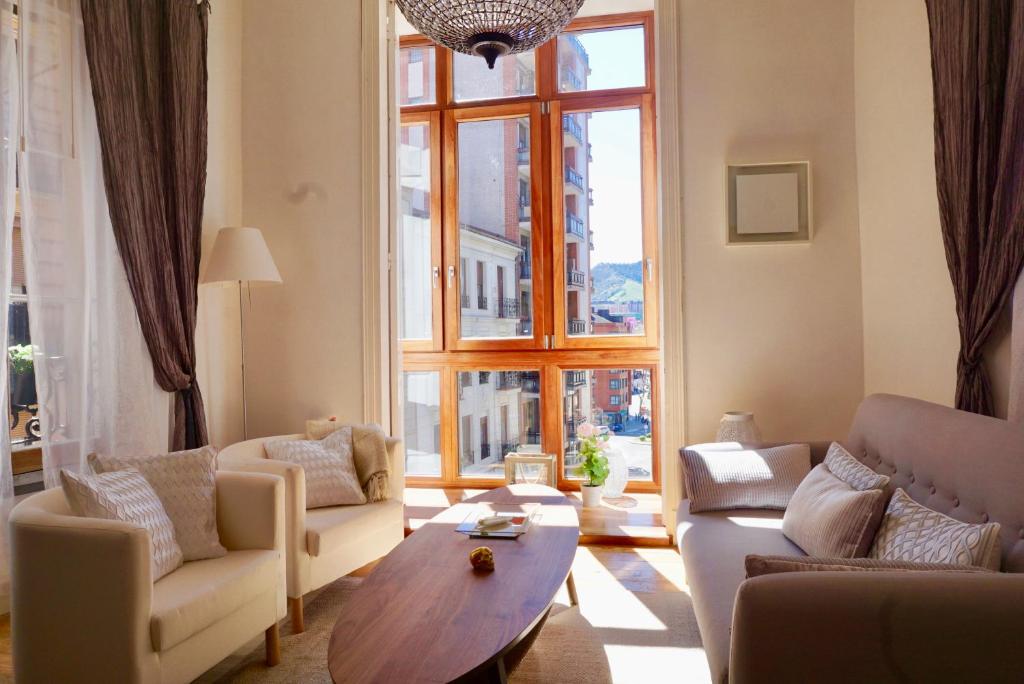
448, 354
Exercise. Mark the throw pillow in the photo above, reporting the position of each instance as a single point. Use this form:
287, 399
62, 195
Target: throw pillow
743, 478
186, 483
829, 518
125, 495
843, 465
331, 478
769, 565
910, 531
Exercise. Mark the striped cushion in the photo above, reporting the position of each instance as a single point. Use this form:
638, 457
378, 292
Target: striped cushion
718, 478
769, 565
843, 465
829, 518
125, 495
913, 532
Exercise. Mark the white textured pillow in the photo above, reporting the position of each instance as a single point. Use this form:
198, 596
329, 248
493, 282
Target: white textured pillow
185, 481
913, 532
331, 478
843, 465
125, 495
718, 479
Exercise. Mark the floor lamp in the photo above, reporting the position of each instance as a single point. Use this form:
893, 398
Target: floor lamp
240, 255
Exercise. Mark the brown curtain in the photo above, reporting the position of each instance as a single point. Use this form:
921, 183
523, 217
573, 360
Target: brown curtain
978, 76
147, 61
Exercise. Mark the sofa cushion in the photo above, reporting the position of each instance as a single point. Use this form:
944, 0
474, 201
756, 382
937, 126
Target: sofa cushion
721, 478
828, 518
913, 532
200, 593
714, 547
843, 465
329, 528
770, 565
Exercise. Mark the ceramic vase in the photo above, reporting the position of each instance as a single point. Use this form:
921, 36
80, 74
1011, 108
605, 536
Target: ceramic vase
618, 473
591, 495
738, 426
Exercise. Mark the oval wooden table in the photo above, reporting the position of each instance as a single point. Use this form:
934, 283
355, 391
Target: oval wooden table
423, 615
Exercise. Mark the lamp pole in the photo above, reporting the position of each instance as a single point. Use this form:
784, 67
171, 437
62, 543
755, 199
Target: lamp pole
241, 339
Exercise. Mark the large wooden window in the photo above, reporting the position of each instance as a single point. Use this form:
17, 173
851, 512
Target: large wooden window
527, 253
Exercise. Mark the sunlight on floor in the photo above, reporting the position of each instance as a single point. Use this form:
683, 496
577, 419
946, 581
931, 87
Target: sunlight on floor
650, 664
666, 563
604, 602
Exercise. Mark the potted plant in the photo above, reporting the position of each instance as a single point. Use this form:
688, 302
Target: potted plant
24, 381
594, 464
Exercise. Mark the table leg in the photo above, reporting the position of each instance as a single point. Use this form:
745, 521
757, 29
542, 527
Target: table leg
570, 584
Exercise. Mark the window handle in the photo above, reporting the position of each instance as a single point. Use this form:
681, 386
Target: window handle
436, 276
650, 269
451, 276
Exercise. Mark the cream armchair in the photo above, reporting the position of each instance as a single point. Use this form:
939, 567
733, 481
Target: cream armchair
84, 608
323, 544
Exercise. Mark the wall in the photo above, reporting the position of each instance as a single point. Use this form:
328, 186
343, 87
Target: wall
774, 329
911, 340
301, 136
217, 327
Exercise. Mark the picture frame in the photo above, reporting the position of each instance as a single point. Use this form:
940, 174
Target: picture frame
533, 461
769, 203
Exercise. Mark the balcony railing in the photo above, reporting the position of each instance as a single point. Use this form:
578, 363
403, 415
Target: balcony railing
574, 225
524, 213
573, 177
590, 238
532, 385
570, 81
572, 127
508, 308
578, 46
576, 378
510, 380
576, 278
577, 326
481, 302
485, 451
509, 448
524, 266
523, 156
590, 195
465, 301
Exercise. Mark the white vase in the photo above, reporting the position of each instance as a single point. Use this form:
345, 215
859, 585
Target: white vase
738, 426
591, 495
618, 473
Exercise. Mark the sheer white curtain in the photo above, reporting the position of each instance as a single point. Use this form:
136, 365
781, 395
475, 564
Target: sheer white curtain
9, 108
93, 372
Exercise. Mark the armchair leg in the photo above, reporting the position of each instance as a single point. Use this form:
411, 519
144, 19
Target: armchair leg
273, 639
570, 584
295, 608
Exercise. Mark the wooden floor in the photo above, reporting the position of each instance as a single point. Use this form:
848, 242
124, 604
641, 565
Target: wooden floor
631, 520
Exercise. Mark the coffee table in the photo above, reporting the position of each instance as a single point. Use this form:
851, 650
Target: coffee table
423, 614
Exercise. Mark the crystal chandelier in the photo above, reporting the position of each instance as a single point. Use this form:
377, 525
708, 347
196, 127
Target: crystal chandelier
489, 28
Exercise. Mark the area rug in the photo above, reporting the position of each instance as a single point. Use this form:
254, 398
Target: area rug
621, 637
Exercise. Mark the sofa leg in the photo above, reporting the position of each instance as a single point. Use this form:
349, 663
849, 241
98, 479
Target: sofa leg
570, 584
273, 639
295, 608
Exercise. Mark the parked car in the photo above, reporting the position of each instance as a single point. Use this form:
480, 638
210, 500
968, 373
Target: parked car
617, 427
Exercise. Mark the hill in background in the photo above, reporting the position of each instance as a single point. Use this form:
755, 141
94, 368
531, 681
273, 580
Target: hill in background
618, 282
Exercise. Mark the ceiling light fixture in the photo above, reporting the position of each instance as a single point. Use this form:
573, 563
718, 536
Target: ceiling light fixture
489, 28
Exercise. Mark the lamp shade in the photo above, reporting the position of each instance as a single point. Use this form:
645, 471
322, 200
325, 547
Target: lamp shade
240, 254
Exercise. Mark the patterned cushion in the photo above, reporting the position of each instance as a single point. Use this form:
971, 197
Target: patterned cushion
768, 565
125, 495
185, 481
827, 517
718, 478
331, 478
843, 465
913, 532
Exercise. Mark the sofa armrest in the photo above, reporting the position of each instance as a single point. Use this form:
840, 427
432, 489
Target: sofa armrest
250, 510
81, 592
396, 459
878, 626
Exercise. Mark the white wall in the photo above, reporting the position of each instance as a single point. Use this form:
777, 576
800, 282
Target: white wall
217, 345
301, 134
772, 329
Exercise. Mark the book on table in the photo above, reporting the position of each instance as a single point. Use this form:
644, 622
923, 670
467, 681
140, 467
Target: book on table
499, 521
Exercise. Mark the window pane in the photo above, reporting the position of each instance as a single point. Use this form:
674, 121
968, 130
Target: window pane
499, 413
601, 59
422, 415
494, 228
618, 401
414, 234
416, 80
512, 76
603, 223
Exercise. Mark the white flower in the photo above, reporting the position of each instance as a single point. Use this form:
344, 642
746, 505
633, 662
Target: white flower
585, 430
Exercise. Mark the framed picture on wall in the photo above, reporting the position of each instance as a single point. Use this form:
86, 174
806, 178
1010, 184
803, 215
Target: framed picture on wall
769, 203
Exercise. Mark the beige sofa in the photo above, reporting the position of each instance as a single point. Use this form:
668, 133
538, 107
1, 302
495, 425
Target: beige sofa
324, 544
873, 626
84, 608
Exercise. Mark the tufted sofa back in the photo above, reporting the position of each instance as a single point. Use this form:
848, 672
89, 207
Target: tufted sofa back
967, 466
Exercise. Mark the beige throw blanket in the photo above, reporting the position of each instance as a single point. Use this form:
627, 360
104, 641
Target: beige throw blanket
369, 451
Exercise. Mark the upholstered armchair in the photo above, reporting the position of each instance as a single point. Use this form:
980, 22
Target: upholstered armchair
323, 544
85, 609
